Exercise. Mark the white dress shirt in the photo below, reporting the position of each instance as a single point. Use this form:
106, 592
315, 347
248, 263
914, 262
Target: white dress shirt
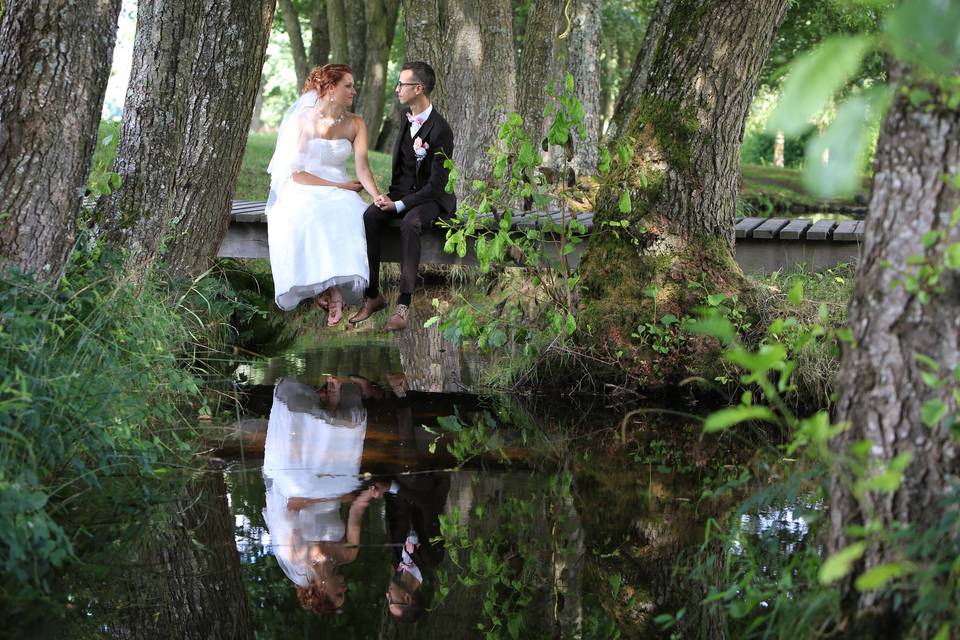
414, 127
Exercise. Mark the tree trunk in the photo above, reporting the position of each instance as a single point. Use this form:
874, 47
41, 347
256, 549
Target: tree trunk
291, 22
389, 129
378, 13
192, 584
337, 28
778, 149
580, 55
470, 45
632, 92
226, 76
137, 215
882, 392
685, 119
256, 124
538, 64
54, 65
356, 38
608, 85
319, 34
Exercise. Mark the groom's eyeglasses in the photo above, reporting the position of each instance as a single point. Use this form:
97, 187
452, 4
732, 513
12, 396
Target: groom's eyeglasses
406, 84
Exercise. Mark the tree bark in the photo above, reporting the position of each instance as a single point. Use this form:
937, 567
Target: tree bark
356, 38
684, 114
337, 27
226, 76
881, 389
632, 93
136, 216
581, 57
388, 130
256, 124
778, 149
470, 46
379, 14
54, 65
538, 64
291, 23
319, 34
192, 583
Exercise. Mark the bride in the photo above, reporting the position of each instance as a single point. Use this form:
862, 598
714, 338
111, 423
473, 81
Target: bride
314, 213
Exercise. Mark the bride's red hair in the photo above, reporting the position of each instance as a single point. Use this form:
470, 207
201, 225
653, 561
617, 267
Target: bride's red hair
322, 78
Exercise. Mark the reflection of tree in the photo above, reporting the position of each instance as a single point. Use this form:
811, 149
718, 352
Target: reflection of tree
188, 579
432, 363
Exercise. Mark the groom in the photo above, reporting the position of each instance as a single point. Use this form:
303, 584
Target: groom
417, 194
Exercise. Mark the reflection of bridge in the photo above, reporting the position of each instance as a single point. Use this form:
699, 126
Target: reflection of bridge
763, 244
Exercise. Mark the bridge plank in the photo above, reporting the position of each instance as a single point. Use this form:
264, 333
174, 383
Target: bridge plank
746, 226
858, 232
794, 230
769, 229
821, 230
846, 231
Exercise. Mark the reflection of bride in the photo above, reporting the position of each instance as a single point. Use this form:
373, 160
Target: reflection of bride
311, 463
314, 215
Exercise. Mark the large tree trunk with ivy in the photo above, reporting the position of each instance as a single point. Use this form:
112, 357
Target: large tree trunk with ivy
469, 44
54, 65
538, 66
379, 14
226, 75
580, 57
678, 189
137, 215
906, 332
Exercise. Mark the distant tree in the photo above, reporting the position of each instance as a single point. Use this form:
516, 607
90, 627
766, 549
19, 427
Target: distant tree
55, 60
291, 23
337, 28
538, 64
356, 37
381, 20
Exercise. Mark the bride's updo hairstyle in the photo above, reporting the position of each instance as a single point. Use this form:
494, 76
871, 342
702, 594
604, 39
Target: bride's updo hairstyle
322, 78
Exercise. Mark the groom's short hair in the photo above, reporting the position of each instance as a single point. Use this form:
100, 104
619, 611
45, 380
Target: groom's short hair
423, 73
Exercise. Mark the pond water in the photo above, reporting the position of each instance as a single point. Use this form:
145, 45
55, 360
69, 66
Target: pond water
367, 491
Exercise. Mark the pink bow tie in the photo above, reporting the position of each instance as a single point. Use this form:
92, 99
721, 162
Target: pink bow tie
412, 118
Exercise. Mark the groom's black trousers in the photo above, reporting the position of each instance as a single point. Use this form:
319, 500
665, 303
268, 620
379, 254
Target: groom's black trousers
411, 225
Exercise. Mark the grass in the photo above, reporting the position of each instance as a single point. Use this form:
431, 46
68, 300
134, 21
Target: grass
253, 183
765, 190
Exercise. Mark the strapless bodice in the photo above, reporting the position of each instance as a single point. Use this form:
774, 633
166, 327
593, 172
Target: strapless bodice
321, 153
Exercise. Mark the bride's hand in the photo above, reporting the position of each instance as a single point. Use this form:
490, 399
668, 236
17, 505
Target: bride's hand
352, 185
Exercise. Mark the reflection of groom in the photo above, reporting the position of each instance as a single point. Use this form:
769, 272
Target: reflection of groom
417, 192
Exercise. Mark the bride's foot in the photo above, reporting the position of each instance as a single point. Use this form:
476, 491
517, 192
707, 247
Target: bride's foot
334, 308
323, 300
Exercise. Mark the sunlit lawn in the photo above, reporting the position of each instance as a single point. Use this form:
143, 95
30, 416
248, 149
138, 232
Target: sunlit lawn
253, 182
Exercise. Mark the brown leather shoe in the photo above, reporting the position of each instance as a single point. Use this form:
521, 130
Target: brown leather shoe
370, 307
398, 321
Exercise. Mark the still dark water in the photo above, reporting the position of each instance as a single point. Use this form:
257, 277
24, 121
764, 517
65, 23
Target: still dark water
367, 491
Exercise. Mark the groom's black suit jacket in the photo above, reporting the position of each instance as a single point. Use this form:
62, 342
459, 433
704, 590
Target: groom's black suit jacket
431, 176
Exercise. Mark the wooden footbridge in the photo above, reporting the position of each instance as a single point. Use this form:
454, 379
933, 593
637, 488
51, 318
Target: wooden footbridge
763, 245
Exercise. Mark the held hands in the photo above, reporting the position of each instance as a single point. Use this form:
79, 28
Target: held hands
385, 203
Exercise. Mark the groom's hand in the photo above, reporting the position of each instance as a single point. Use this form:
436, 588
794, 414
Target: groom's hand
385, 203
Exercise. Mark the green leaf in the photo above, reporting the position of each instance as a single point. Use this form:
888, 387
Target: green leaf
933, 411
924, 33
876, 577
847, 139
431, 321
813, 78
841, 563
769, 356
726, 418
626, 206
669, 319
930, 238
715, 326
951, 257
796, 293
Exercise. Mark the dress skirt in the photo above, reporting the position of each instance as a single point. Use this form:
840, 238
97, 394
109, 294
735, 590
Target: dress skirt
317, 240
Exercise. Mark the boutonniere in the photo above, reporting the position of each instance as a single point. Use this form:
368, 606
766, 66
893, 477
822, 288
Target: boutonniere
420, 149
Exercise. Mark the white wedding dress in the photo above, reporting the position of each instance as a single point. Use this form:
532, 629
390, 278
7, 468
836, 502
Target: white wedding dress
310, 452
315, 234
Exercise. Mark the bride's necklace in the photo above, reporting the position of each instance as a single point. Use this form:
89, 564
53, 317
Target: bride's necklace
332, 122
